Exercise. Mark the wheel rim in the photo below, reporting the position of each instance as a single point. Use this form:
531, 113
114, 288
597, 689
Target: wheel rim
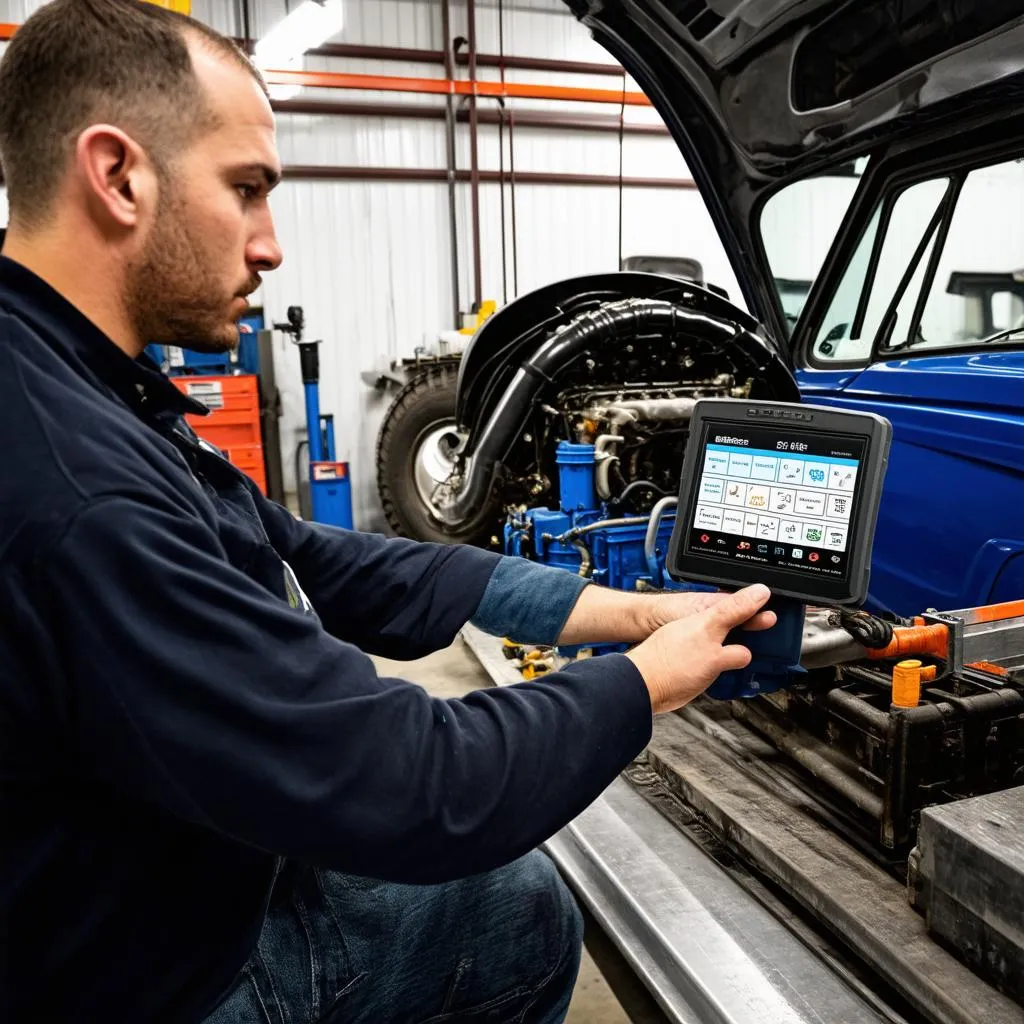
434, 459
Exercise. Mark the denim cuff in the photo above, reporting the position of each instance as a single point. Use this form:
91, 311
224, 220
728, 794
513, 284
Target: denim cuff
528, 602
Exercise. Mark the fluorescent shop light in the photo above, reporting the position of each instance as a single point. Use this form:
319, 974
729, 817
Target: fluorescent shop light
311, 23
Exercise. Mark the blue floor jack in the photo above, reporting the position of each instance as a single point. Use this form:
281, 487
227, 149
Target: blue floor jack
330, 487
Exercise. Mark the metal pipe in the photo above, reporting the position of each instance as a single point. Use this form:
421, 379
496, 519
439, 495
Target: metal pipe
540, 119
449, 124
602, 524
812, 754
636, 410
474, 159
512, 176
501, 203
602, 474
442, 87
586, 561
246, 28
426, 174
824, 645
501, 152
651, 539
604, 461
858, 712
404, 55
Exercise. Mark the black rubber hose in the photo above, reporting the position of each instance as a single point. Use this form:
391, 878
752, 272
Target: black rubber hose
570, 343
637, 485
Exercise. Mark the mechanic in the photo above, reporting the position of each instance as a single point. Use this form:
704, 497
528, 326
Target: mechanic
212, 807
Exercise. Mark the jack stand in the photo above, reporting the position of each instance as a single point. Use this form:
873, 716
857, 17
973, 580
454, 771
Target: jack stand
330, 488
776, 654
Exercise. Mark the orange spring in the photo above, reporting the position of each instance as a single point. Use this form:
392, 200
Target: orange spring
906, 640
928, 673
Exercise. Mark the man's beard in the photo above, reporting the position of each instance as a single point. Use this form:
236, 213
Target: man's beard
168, 294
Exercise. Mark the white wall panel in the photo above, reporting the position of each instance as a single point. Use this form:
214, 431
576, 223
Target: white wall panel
369, 264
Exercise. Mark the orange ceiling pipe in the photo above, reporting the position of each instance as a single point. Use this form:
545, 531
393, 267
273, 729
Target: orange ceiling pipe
437, 86
445, 86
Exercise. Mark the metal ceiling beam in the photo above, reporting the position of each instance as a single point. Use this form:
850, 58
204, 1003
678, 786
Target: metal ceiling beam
440, 174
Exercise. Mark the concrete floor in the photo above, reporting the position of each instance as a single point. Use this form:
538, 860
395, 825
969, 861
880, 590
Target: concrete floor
452, 673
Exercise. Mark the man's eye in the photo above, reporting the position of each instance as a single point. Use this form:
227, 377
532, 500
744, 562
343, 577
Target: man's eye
248, 191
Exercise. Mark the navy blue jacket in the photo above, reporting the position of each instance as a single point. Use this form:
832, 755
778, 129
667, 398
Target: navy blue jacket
185, 705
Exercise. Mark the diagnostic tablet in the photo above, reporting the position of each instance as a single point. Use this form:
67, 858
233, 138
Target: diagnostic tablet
783, 494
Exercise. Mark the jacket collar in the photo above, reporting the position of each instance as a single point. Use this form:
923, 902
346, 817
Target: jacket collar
69, 332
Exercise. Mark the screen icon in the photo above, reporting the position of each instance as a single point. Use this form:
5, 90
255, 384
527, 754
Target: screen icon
721, 541
798, 552
743, 546
779, 551
836, 559
704, 538
813, 556
762, 549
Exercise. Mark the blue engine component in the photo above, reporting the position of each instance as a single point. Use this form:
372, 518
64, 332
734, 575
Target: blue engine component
583, 537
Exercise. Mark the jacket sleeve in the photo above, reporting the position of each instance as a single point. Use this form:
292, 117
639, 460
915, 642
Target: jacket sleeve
402, 599
195, 689
389, 596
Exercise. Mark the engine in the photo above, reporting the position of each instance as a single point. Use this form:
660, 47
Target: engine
578, 363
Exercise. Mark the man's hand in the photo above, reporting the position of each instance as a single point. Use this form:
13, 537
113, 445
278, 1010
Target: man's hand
603, 615
685, 656
659, 610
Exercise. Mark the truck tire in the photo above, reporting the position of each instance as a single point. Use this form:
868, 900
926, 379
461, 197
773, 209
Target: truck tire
413, 446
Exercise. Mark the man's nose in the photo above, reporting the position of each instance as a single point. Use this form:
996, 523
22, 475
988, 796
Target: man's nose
263, 251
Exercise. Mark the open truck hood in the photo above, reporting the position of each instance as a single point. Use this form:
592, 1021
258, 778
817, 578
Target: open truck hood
759, 93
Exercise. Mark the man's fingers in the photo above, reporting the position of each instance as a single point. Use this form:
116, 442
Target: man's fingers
763, 620
740, 607
732, 657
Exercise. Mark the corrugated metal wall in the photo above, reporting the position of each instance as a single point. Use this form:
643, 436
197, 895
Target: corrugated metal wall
370, 261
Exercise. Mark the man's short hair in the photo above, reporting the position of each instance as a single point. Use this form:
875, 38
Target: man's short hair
80, 62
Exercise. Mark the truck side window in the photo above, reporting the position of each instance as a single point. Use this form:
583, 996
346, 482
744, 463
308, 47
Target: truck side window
865, 293
977, 295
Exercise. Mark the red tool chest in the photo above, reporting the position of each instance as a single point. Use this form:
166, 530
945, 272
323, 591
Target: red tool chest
233, 423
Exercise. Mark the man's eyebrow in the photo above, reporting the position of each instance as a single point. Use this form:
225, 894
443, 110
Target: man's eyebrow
271, 175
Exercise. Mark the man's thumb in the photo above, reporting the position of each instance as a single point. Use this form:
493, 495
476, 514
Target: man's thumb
739, 607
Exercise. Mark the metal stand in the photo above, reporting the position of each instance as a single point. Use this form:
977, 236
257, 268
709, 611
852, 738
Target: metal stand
330, 488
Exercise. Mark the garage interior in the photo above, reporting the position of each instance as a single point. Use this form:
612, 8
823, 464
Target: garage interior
505, 295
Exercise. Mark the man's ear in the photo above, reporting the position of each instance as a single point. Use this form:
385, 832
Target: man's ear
115, 174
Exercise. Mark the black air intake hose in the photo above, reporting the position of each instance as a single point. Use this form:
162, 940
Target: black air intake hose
624, 319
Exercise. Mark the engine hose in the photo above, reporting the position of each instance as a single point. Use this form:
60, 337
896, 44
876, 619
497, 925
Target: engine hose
601, 473
601, 524
639, 485
586, 562
586, 559
615, 320
651, 539
604, 461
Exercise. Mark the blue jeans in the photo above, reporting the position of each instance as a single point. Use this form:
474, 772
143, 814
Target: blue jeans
496, 948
